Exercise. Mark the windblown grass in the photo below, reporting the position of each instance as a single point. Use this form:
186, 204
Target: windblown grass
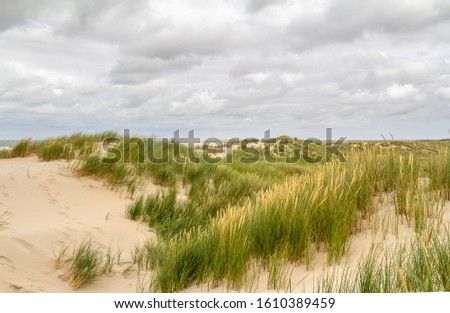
78, 145
439, 171
115, 174
133, 169
279, 274
422, 265
20, 150
210, 189
54, 150
86, 263
316, 211
5, 154
233, 215
154, 209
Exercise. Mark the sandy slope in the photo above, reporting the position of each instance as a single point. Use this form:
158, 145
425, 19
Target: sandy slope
44, 207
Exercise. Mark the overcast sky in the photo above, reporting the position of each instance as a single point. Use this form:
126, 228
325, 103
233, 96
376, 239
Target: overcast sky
225, 68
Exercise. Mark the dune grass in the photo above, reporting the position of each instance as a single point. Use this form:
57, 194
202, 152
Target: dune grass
5, 154
274, 213
154, 209
86, 262
422, 265
133, 169
215, 221
21, 148
439, 171
316, 211
54, 150
117, 174
279, 275
209, 189
291, 217
78, 145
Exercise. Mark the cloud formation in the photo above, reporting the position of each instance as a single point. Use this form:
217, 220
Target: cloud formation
225, 68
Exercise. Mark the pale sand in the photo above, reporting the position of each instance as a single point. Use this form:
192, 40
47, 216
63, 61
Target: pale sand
46, 207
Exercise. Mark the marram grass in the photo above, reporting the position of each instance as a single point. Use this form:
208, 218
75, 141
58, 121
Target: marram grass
439, 171
421, 265
5, 154
317, 211
54, 150
78, 145
86, 263
215, 221
21, 148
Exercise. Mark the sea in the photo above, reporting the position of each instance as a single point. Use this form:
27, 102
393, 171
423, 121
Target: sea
7, 144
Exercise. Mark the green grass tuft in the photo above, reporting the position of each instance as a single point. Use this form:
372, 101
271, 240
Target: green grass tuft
86, 263
5, 154
21, 148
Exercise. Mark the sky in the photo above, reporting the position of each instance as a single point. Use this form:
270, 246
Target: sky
226, 68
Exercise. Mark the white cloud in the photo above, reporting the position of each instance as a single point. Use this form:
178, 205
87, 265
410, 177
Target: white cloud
401, 92
443, 92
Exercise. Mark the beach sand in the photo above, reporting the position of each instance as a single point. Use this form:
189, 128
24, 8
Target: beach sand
45, 207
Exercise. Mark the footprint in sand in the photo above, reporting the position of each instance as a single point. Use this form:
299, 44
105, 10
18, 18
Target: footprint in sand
52, 181
68, 228
53, 201
63, 213
24, 245
98, 229
66, 237
63, 207
5, 194
14, 287
6, 263
43, 187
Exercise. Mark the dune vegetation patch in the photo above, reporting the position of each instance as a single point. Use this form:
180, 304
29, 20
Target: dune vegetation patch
85, 262
223, 222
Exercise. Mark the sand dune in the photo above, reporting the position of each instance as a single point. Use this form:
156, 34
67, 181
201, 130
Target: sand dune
44, 207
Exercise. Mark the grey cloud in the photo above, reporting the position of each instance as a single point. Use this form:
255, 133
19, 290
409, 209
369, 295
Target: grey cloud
226, 67
343, 85
443, 92
391, 16
15, 13
346, 20
138, 70
116, 21
187, 40
257, 5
